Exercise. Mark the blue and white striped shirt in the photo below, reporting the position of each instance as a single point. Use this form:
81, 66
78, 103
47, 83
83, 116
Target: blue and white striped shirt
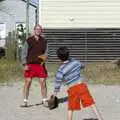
68, 73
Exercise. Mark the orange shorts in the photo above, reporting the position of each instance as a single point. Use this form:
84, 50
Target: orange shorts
78, 95
35, 70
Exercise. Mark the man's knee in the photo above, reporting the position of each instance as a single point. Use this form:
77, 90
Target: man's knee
28, 82
43, 83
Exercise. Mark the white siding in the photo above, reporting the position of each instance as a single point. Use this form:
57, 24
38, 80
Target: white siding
80, 13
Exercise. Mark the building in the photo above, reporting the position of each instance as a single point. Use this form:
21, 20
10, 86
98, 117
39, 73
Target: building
90, 28
12, 13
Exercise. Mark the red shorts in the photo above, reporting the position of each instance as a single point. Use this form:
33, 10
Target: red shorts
35, 70
78, 95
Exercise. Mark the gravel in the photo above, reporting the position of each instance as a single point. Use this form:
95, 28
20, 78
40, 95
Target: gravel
107, 100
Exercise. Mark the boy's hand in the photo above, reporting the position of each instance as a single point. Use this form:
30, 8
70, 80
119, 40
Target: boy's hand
53, 102
55, 94
86, 80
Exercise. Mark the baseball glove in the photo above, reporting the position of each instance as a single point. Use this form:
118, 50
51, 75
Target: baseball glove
43, 58
53, 102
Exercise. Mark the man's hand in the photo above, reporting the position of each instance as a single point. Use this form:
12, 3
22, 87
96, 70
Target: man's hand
26, 67
43, 58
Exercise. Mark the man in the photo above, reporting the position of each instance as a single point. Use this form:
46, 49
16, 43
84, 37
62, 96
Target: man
32, 59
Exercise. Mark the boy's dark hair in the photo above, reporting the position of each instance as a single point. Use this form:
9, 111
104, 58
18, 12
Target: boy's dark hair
63, 53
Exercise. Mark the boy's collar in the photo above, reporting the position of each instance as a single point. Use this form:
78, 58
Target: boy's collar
65, 61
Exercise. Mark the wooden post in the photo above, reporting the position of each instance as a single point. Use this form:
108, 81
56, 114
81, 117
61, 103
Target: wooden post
27, 18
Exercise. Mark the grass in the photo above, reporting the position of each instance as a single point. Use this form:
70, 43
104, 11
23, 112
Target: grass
99, 72
9, 71
103, 73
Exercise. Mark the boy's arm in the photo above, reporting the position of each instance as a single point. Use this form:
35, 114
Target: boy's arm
58, 82
82, 66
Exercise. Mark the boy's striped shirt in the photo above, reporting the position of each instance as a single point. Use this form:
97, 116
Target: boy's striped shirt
69, 72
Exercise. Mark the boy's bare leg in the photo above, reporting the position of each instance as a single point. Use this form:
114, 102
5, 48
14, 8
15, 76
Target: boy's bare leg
27, 85
95, 110
42, 82
70, 115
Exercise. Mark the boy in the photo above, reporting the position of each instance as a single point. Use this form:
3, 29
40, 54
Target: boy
78, 93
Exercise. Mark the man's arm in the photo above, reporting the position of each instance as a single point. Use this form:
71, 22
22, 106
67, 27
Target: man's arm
24, 53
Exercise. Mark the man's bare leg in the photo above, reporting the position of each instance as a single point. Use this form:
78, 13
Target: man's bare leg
43, 85
27, 85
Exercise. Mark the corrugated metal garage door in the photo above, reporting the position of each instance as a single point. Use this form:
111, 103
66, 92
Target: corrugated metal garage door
85, 44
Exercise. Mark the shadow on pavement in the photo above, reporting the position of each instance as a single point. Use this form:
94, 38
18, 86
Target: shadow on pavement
31, 105
61, 100
90, 119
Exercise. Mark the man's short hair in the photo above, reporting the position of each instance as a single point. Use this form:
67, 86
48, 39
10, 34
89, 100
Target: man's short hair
39, 27
63, 53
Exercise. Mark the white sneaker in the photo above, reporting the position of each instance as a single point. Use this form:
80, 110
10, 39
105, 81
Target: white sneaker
25, 102
45, 102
